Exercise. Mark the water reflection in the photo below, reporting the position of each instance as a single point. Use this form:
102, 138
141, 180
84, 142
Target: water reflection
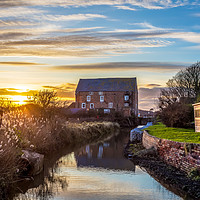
99, 172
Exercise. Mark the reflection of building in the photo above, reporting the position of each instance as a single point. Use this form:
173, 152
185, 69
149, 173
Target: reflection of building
197, 116
107, 155
108, 94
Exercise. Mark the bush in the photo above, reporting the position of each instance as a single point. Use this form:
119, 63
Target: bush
178, 115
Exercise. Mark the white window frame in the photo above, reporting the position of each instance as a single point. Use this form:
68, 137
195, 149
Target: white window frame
126, 104
101, 98
126, 97
88, 98
83, 105
101, 93
106, 110
110, 105
91, 105
91, 93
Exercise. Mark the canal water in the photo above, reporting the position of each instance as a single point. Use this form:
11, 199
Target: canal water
97, 172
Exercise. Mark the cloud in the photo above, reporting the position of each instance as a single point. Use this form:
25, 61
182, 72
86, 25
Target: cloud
125, 8
97, 43
20, 63
44, 39
152, 85
14, 91
120, 65
11, 23
150, 4
148, 98
66, 90
74, 17
21, 12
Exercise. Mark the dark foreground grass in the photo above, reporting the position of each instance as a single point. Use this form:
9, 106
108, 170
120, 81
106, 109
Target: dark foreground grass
175, 134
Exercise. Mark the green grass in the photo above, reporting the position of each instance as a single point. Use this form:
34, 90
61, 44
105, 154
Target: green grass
175, 134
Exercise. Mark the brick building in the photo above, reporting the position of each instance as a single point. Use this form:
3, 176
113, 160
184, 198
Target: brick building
108, 94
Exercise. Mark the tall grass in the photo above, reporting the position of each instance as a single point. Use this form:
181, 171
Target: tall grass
21, 130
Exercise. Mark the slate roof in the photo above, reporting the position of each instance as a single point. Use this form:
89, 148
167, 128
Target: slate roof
107, 84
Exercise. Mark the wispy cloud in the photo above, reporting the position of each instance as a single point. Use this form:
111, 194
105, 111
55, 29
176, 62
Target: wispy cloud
125, 8
20, 12
63, 90
125, 65
52, 40
20, 63
12, 23
74, 17
150, 4
152, 85
148, 97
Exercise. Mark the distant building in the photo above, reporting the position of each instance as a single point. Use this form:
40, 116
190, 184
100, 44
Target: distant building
146, 114
108, 94
197, 116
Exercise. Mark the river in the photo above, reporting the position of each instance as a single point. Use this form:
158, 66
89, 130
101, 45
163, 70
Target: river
96, 172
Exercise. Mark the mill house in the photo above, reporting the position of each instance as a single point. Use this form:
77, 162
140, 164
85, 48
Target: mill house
108, 94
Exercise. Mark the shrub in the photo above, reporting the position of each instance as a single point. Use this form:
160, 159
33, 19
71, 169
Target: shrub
177, 115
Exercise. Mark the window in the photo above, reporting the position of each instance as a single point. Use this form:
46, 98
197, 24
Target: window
126, 104
91, 93
197, 113
88, 98
83, 105
100, 93
101, 98
91, 106
126, 98
110, 105
106, 110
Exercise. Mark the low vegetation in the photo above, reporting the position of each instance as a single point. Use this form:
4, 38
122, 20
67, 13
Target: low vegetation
175, 134
21, 130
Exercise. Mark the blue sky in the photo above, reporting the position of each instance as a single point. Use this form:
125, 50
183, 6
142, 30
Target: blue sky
55, 42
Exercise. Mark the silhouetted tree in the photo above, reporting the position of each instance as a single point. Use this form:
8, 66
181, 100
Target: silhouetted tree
184, 87
44, 98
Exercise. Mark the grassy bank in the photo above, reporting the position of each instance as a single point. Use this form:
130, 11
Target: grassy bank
22, 131
175, 134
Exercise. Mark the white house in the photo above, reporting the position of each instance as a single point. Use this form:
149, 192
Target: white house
197, 116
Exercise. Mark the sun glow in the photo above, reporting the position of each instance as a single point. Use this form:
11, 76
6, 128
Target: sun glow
17, 99
22, 88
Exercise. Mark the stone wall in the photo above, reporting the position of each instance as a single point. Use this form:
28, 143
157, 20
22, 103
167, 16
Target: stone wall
184, 156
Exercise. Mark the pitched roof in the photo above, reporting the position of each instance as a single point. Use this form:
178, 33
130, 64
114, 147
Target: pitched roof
107, 84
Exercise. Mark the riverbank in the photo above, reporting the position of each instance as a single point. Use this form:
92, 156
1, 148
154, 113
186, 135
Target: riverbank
22, 131
170, 177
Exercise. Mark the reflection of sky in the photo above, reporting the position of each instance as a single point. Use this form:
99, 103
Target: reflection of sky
99, 183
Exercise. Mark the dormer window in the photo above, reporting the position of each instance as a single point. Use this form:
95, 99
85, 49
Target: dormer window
126, 97
88, 98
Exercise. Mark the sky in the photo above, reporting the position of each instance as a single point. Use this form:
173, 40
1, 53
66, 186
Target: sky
51, 44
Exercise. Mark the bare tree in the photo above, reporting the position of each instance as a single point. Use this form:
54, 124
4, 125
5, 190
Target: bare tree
183, 87
44, 98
